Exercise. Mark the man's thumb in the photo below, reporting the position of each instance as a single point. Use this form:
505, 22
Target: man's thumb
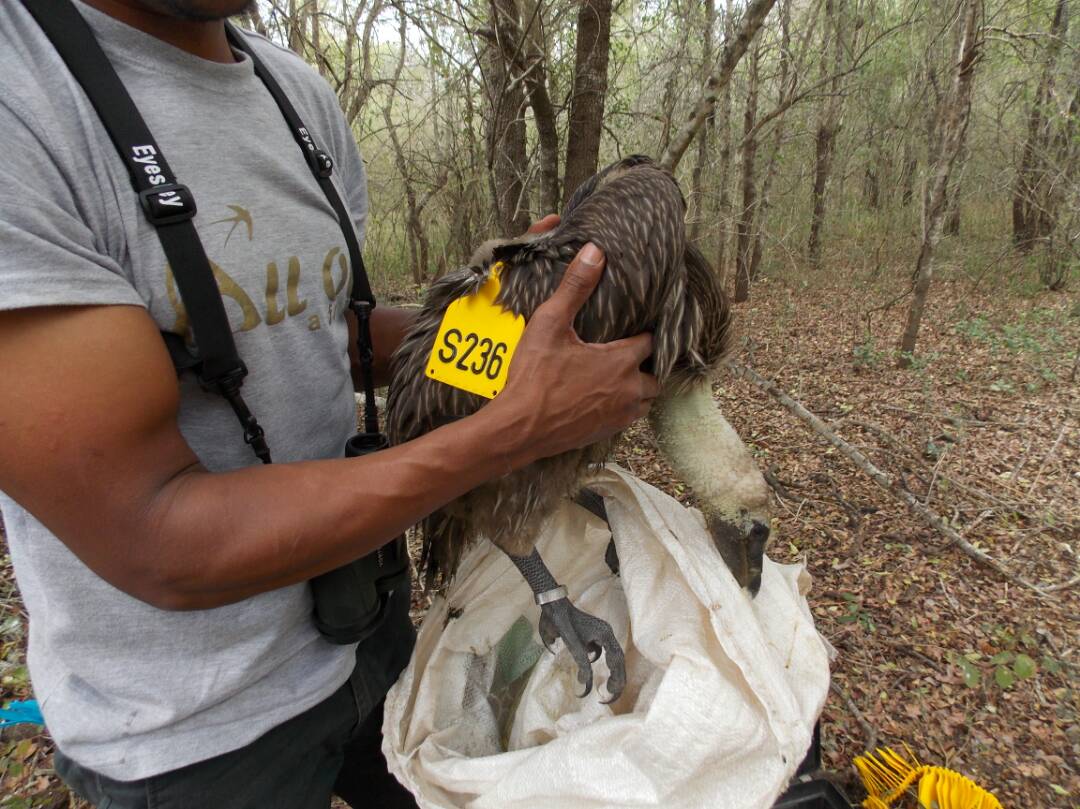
578, 282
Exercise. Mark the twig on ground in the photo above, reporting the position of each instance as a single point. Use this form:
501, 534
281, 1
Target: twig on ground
1065, 585
933, 478
883, 480
949, 596
1049, 455
868, 730
975, 523
1015, 473
777, 486
854, 515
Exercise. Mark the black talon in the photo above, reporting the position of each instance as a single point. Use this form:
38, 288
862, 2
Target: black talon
586, 638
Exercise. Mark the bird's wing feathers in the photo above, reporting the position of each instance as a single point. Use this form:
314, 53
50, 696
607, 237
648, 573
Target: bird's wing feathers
636, 217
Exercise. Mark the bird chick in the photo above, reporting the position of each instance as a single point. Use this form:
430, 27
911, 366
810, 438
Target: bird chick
654, 280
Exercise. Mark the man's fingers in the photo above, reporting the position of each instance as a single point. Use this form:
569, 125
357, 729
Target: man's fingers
578, 283
638, 347
650, 388
549, 222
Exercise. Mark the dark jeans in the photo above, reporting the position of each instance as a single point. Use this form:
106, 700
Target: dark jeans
333, 748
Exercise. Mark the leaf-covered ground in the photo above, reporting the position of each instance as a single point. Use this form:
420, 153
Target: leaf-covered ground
934, 650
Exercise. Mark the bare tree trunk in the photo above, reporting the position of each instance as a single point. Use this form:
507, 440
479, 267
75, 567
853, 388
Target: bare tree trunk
590, 88
872, 172
545, 117
724, 178
697, 191
788, 83
744, 229
823, 149
734, 48
296, 29
356, 81
952, 208
316, 36
507, 156
418, 244
907, 175
524, 58
953, 131
255, 20
1065, 150
828, 126
472, 207
669, 97
1030, 221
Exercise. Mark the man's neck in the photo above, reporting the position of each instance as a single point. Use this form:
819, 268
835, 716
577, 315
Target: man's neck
203, 39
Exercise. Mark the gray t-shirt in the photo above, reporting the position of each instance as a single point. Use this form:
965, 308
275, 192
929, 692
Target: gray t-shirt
127, 689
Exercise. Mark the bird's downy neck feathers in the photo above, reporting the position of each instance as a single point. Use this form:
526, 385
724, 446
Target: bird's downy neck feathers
708, 454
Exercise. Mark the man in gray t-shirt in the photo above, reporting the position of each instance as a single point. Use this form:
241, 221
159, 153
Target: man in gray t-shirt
172, 646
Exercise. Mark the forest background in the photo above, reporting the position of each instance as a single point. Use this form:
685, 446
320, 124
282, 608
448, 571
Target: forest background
890, 190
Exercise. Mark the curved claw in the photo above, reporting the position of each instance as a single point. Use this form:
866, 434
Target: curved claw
548, 633
586, 638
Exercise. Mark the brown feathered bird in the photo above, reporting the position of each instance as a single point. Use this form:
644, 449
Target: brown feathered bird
655, 281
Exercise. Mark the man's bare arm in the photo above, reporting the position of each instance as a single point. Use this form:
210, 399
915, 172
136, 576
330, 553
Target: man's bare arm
389, 326
89, 444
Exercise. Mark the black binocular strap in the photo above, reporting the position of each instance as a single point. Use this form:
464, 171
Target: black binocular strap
168, 205
322, 166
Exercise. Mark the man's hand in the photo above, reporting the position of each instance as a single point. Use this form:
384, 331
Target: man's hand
562, 393
549, 222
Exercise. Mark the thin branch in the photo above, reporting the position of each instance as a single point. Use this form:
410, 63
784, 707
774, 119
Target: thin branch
733, 52
878, 476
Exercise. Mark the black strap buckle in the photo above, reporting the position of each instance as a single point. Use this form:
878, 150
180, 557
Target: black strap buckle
362, 310
224, 379
228, 385
167, 204
323, 164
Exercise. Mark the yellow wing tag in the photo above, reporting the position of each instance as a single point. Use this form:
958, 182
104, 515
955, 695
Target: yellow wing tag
476, 341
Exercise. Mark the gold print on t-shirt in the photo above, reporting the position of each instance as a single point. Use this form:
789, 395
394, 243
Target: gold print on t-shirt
274, 314
229, 289
241, 216
330, 287
181, 325
295, 306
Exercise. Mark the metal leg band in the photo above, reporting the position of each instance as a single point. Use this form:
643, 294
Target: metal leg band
551, 595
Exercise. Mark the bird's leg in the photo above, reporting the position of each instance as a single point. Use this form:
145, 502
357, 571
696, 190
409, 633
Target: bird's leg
594, 503
584, 635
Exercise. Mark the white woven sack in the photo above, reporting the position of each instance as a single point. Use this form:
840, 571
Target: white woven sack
722, 695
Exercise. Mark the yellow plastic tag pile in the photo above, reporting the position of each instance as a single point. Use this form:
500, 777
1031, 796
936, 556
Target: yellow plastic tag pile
476, 341
888, 776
